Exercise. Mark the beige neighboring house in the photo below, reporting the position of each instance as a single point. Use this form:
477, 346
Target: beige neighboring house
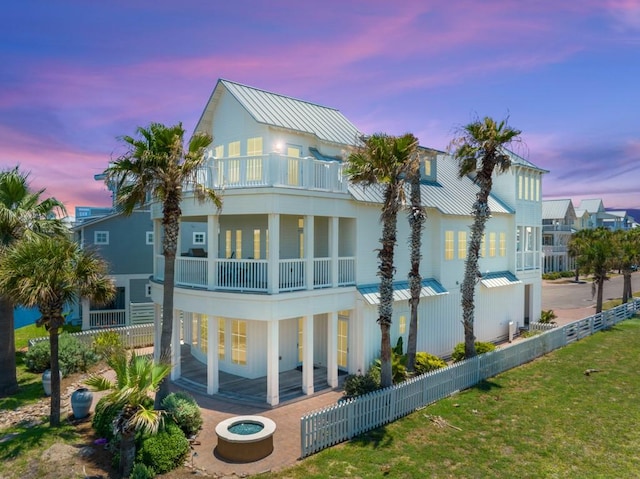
558, 220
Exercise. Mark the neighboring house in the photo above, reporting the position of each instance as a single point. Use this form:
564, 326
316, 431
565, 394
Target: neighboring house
284, 277
582, 219
558, 220
126, 243
618, 220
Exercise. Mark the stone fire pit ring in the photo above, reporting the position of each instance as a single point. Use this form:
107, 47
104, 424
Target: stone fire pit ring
247, 446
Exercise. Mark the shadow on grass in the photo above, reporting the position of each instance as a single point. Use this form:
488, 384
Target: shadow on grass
377, 438
486, 385
30, 387
22, 439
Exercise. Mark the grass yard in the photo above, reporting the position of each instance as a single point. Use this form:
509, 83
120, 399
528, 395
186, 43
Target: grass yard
544, 419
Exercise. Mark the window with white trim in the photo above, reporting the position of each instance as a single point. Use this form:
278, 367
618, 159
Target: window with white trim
149, 237
199, 237
448, 245
101, 237
147, 290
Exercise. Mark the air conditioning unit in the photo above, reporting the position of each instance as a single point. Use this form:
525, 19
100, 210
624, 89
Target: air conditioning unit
512, 330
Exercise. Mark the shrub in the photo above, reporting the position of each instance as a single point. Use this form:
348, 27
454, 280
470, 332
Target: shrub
398, 368
481, 348
102, 422
140, 471
357, 384
165, 450
73, 355
107, 344
547, 317
184, 410
426, 362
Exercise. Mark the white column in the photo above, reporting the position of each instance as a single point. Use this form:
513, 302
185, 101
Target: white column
157, 331
273, 269
213, 225
273, 363
212, 355
188, 330
333, 249
332, 349
175, 346
309, 228
307, 354
157, 247
86, 317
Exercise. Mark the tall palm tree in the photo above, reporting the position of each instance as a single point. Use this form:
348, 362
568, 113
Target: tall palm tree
576, 246
627, 244
22, 214
50, 272
384, 160
157, 164
597, 257
480, 150
417, 218
136, 379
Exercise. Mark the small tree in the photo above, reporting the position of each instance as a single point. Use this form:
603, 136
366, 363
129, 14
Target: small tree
136, 378
49, 273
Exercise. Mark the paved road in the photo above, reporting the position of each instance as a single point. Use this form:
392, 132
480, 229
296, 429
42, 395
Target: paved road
571, 295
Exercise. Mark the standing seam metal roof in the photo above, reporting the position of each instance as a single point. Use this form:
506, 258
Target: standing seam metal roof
285, 112
451, 195
402, 291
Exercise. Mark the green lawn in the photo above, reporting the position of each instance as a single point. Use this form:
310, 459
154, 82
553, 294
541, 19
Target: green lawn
544, 419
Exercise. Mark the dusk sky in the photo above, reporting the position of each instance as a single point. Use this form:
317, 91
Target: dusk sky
77, 75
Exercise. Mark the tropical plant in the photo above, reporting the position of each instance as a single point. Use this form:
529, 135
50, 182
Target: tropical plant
426, 362
577, 244
49, 273
481, 347
184, 410
384, 160
479, 150
158, 165
547, 316
136, 378
360, 384
417, 218
627, 256
73, 356
23, 213
597, 256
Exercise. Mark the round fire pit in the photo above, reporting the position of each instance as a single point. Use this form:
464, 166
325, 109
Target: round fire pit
245, 438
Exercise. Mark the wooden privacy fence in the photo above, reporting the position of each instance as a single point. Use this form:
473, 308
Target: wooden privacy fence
352, 417
135, 336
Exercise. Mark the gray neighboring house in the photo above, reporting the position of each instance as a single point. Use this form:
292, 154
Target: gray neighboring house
126, 243
558, 219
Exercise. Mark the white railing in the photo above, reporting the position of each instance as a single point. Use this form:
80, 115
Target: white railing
554, 248
107, 318
322, 272
141, 313
349, 418
346, 271
292, 275
274, 170
191, 271
252, 274
242, 275
135, 336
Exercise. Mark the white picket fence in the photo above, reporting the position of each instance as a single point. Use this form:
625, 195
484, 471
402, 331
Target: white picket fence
135, 336
352, 417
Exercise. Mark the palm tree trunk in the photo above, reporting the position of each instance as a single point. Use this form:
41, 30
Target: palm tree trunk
54, 417
600, 293
626, 283
127, 453
416, 220
385, 271
171, 223
8, 379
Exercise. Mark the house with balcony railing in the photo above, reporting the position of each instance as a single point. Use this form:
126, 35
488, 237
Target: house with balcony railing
284, 277
558, 221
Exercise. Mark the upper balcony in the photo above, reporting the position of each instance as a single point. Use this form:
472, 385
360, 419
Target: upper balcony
567, 229
260, 276
273, 170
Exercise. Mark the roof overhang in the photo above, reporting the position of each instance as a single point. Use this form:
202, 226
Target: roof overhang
402, 291
499, 279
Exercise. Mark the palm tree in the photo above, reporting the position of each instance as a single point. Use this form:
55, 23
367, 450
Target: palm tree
22, 214
384, 160
50, 272
136, 379
479, 150
576, 246
597, 257
157, 164
627, 244
417, 217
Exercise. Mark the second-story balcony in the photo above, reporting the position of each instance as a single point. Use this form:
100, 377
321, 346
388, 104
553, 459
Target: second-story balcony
273, 170
258, 276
